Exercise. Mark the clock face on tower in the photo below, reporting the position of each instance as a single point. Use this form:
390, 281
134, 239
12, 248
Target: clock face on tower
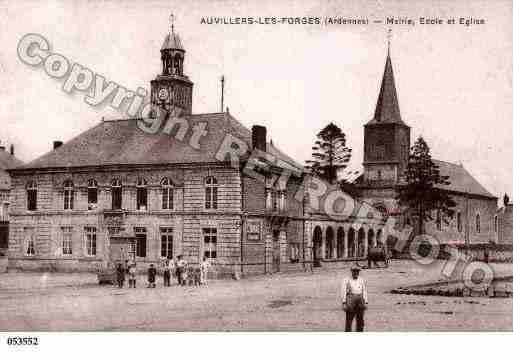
163, 94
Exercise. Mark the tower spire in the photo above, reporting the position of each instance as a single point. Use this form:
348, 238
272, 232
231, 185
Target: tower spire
387, 106
172, 22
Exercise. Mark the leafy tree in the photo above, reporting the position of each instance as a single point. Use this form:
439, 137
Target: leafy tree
330, 154
423, 193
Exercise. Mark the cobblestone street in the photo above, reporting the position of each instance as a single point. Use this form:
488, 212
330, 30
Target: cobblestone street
294, 301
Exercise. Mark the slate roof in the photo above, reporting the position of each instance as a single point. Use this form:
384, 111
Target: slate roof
461, 180
172, 41
387, 107
121, 142
7, 161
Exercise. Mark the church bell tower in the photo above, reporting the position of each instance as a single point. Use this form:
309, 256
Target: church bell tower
386, 136
172, 88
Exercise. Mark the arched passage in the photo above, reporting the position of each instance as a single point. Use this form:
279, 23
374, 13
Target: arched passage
317, 244
340, 242
330, 235
351, 243
379, 238
360, 252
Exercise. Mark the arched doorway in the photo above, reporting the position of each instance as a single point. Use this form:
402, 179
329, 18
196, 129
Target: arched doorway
317, 245
330, 236
379, 238
360, 252
340, 242
351, 243
370, 239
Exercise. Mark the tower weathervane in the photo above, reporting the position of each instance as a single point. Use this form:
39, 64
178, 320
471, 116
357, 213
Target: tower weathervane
172, 21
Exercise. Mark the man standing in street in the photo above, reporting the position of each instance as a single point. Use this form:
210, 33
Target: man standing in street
354, 299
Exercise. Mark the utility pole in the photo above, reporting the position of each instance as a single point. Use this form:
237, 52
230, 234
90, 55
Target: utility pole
222, 93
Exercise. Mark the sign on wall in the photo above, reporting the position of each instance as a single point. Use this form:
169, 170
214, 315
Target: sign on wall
253, 230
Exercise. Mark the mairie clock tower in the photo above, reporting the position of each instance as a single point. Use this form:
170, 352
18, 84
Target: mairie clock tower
172, 89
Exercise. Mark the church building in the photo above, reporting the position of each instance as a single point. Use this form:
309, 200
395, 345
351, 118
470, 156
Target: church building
386, 152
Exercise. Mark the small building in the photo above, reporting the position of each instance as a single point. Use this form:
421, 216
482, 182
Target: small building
7, 160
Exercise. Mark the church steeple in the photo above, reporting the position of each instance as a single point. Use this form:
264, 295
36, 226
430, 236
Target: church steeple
387, 106
172, 89
386, 136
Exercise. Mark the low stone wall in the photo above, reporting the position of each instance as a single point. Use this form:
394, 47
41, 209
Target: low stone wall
501, 287
485, 252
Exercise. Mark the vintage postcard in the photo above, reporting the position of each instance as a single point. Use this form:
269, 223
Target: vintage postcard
220, 166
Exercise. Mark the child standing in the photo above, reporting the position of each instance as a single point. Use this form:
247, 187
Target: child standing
131, 275
204, 270
180, 270
120, 273
152, 273
167, 273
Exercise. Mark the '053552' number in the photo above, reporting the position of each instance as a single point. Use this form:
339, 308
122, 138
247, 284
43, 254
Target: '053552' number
22, 341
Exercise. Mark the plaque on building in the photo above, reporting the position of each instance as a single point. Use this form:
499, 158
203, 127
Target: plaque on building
253, 231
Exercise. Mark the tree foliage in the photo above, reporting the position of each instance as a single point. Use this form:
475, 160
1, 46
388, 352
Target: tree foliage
330, 154
423, 192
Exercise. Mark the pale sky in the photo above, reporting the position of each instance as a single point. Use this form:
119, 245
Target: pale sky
454, 82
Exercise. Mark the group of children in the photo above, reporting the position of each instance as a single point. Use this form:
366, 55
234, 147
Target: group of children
186, 274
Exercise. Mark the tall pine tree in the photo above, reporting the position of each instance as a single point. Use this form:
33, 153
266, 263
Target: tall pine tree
330, 154
422, 194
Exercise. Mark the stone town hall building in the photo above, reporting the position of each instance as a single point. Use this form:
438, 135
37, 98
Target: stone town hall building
175, 198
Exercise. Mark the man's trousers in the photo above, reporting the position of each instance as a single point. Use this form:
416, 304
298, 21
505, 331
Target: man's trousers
355, 308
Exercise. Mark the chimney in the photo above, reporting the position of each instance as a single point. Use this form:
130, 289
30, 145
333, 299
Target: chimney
12, 150
258, 137
57, 144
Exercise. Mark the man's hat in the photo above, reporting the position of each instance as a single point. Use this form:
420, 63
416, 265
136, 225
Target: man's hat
355, 269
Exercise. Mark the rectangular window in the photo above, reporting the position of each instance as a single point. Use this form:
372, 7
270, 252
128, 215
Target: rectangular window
140, 235
116, 197
458, 222
211, 198
274, 200
30, 241
92, 196
210, 242
32, 199
166, 242
66, 241
167, 198
90, 237
68, 198
142, 198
